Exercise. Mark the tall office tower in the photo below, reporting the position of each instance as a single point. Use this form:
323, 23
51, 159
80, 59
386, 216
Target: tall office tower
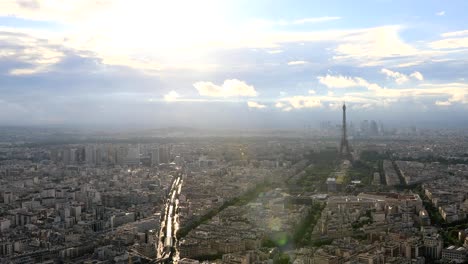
345, 149
73, 156
373, 129
99, 155
164, 154
66, 156
155, 157
81, 155
120, 154
133, 156
55, 155
365, 127
108, 155
381, 128
90, 155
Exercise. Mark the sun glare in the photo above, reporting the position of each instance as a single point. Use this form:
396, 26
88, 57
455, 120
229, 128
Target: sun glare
167, 25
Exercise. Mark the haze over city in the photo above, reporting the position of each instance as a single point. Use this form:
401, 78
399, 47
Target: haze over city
262, 64
233, 132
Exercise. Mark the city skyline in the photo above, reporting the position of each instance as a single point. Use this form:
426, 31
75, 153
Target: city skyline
232, 63
233, 131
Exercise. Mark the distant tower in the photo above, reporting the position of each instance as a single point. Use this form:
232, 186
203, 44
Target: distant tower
345, 150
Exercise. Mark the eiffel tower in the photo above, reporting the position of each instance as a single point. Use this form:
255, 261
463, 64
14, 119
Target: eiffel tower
345, 149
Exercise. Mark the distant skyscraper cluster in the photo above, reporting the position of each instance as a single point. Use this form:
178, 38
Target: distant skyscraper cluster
364, 128
371, 128
102, 154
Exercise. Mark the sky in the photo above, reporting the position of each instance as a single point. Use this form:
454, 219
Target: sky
239, 63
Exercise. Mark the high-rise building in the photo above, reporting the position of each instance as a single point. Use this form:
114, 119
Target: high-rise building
81, 155
365, 127
66, 156
373, 129
73, 156
90, 155
381, 128
99, 156
155, 157
108, 154
164, 154
433, 245
119, 155
133, 156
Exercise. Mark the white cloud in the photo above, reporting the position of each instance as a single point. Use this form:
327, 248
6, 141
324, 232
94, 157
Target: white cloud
230, 88
299, 102
456, 92
370, 46
441, 13
399, 77
116, 31
450, 43
165, 51
443, 103
381, 46
172, 96
26, 71
64, 11
409, 64
262, 23
300, 62
362, 106
315, 20
342, 81
252, 104
332, 101
460, 33
280, 105
377, 96
417, 75
125, 26
39, 55
335, 106
275, 51
451, 40
337, 81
